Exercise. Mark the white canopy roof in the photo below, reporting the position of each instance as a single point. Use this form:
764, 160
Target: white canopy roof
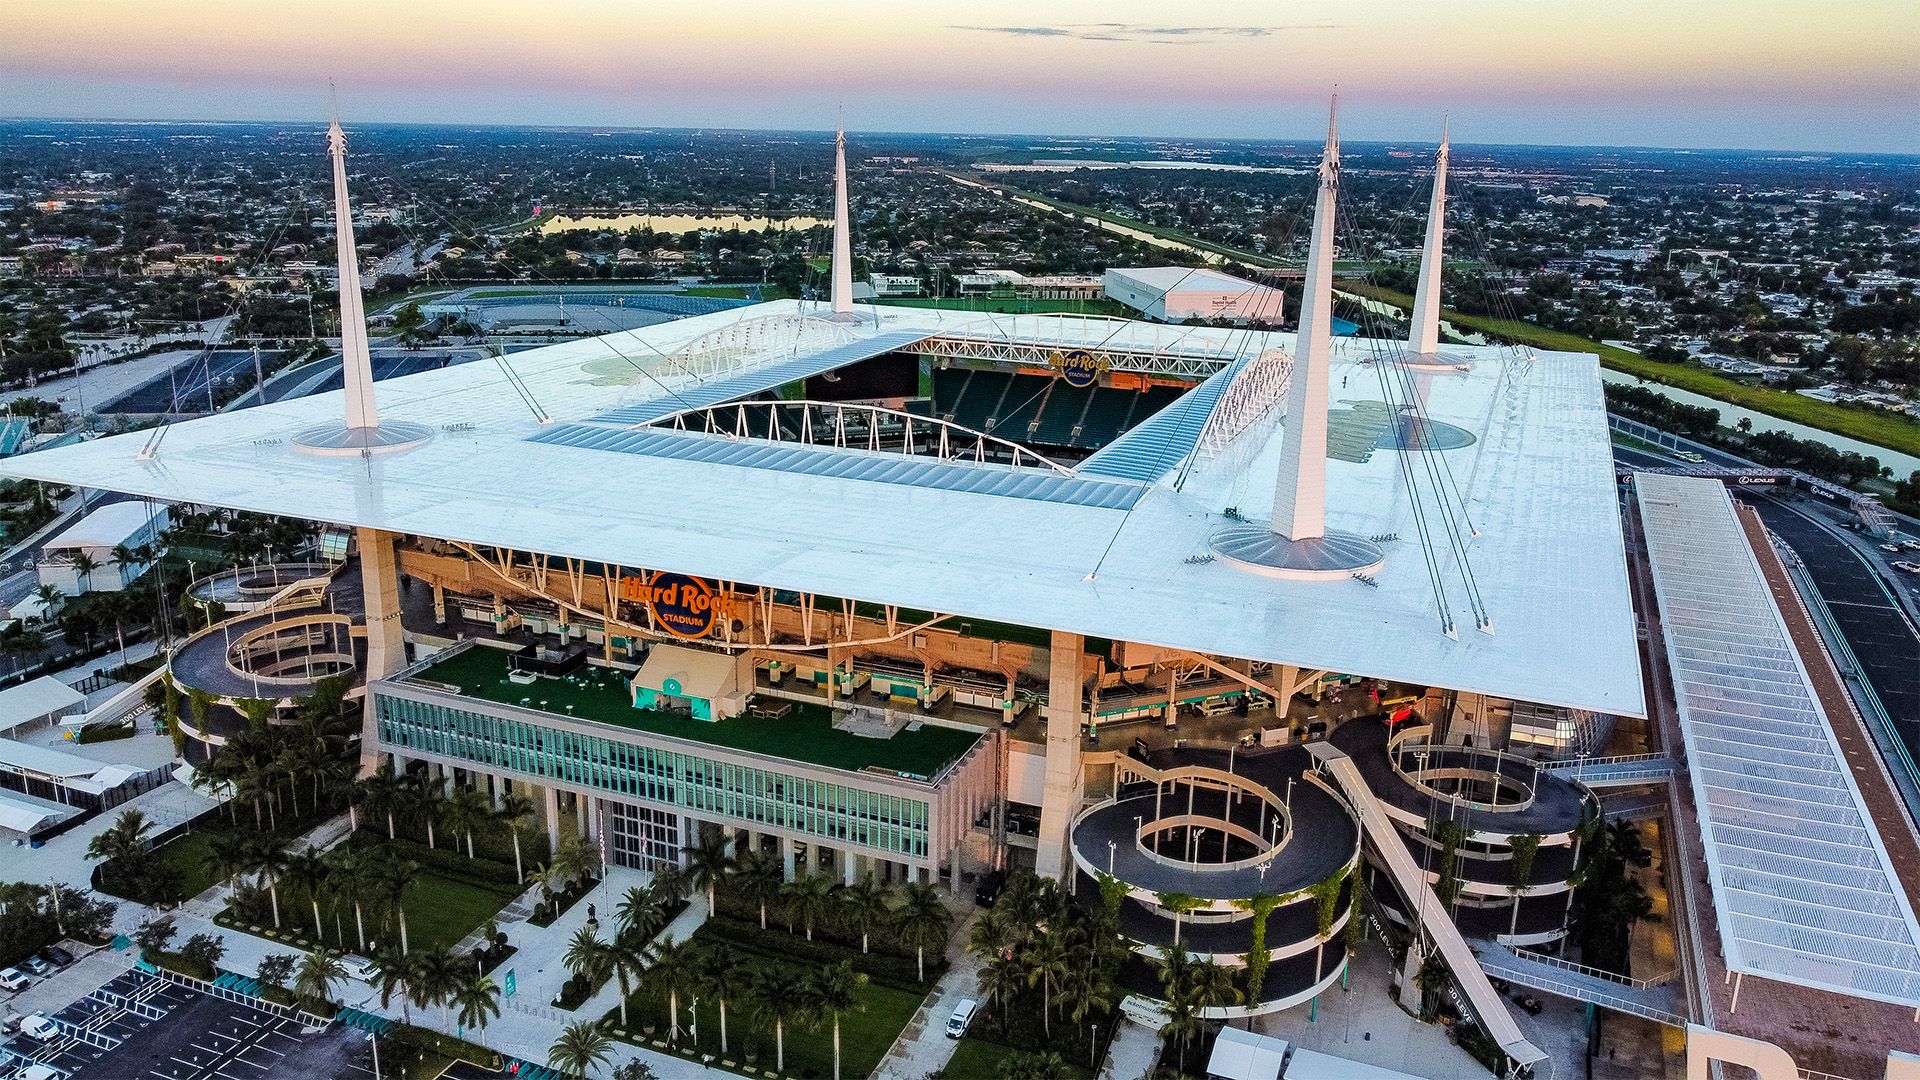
26, 815
688, 673
37, 699
1802, 884
1242, 1055
109, 526
1537, 480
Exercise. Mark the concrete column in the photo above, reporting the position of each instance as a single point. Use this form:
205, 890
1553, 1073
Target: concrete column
849, 873
500, 615
386, 649
550, 800
786, 859
439, 603
1061, 796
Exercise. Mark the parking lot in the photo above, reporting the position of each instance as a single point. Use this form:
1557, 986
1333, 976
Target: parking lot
137, 1026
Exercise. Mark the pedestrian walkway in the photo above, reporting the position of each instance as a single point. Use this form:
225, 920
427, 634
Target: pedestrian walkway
1131, 1054
922, 1047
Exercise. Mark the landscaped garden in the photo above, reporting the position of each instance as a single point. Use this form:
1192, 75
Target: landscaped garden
805, 733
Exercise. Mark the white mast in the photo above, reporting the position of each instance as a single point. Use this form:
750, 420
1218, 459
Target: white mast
842, 239
1423, 338
1300, 499
355, 360
1296, 544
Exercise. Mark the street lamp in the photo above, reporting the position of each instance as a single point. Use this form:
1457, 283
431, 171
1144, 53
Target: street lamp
375, 1042
1112, 846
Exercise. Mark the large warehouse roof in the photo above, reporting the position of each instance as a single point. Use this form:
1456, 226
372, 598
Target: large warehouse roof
1535, 474
1801, 879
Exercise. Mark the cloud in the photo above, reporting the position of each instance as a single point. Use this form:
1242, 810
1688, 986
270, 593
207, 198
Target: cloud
1147, 33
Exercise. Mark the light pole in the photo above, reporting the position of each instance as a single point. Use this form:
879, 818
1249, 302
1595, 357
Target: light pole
1112, 846
375, 1041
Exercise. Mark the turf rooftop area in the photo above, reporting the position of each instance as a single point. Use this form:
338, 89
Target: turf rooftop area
805, 734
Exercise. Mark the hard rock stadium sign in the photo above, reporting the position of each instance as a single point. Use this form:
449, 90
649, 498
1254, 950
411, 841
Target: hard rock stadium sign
686, 607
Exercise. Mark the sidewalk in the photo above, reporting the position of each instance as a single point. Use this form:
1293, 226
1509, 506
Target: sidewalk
922, 1046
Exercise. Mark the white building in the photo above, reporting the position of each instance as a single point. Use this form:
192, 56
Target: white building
1179, 293
895, 284
82, 559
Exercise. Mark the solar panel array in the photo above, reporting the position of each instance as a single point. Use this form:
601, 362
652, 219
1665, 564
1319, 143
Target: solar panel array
1801, 881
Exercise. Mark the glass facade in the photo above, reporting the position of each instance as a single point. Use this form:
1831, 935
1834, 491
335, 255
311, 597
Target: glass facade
710, 788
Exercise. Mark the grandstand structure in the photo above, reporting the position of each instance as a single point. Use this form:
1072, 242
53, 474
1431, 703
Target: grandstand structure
867, 587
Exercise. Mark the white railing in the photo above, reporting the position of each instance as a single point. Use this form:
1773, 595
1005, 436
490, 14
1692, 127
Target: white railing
1598, 973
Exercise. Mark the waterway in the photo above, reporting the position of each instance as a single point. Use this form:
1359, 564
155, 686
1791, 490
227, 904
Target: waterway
676, 224
1731, 415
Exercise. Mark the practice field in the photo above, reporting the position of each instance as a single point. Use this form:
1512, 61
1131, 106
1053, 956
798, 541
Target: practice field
806, 733
199, 1037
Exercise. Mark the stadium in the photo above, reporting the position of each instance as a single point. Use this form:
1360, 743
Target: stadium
1273, 633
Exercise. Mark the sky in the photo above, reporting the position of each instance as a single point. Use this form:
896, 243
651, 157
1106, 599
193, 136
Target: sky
1820, 75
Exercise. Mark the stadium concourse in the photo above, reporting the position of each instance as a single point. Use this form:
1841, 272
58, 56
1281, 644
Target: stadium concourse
919, 595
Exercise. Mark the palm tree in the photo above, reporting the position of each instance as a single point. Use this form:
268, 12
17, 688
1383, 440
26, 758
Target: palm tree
921, 919
350, 880
441, 973
708, 863
426, 801
777, 995
477, 1000
671, 967
863, 906
1183, 1007
576, 860
125, 839
319, 971
1046, 959
587, 956
390, 877
397, 971
626, 956
380, 794
83, 567
642, 912
756, 877
722, 978
835, 990
580, 1047
808, 899
1212, 984
267, 857
464, 811
997, 976
50, 597
308, 870
227, 855
513, 812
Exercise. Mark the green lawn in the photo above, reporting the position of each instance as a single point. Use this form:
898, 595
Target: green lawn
805, 734
976, 1058
865, 1035
440, 911
1876, 426
187, 856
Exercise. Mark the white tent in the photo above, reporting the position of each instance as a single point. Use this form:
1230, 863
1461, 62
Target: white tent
1242, 1055
36, 700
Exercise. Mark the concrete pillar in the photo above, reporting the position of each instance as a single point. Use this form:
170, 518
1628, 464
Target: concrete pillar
1061, 797
786, 859
550, 800
849, 873
386, 649
439, 603
500, 615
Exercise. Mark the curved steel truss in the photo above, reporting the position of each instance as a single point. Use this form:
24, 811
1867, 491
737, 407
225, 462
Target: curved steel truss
852, 426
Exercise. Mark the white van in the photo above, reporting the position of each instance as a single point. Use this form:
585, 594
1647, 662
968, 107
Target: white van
962, 1016
14, 979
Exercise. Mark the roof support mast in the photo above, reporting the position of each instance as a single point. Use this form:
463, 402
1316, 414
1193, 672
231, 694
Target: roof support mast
1423, 338
361, 432
842, 239
1297, 543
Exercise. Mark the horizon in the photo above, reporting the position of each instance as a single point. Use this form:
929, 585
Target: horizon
1306, 141
1713, 75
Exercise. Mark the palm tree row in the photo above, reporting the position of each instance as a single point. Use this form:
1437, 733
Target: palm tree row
295, 769
912, 914
357, 879
461, 811
779, 994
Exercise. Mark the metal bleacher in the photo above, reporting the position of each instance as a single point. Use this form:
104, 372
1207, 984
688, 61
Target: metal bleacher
1040, 411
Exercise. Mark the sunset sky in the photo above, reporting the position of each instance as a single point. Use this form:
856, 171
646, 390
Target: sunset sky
1765, 74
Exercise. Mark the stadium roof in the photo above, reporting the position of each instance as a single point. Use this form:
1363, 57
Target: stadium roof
1802, 883
1537, 480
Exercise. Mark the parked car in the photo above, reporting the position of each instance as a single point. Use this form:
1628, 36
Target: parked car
40, 1028
989, 889
58, 955
14, 979
962, 1016
1891, 549
1909, 567
38, 966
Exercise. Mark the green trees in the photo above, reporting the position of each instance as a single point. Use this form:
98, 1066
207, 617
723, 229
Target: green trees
308, 870
465, 811
1046, 958
579, 1048
476, 1000
778, 995
397, 972
1261, 908
836, 990
319, 971
920, 920
708, 863
670, 968
1190, 987
1523, 847
718, 976
123, 845
513, 812
380, 795
441, 974
1608, 899
756, 878
863, 906
808, 899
